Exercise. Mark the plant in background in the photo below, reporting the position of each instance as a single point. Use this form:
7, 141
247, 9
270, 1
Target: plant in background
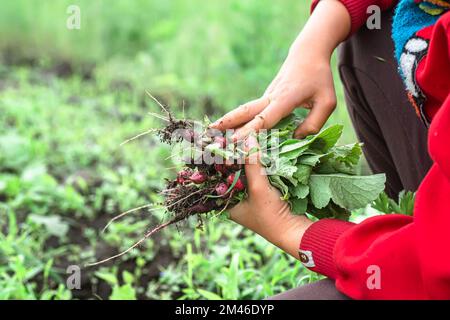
123, 291
22, 261
404, 205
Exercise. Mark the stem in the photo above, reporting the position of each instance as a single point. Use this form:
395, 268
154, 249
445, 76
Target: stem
146, 236
127, 212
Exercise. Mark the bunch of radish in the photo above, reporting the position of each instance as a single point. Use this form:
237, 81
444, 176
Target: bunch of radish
314, 175
205, 188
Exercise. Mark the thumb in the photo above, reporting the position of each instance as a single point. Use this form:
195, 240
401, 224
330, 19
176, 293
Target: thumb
254, 170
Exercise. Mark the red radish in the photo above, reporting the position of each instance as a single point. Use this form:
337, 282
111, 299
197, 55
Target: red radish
198, 177
239, 186
180, 180
220, 168
221, 189
182, 176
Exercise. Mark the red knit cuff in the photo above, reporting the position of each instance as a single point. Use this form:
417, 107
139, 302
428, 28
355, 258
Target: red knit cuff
357, 10
317, 245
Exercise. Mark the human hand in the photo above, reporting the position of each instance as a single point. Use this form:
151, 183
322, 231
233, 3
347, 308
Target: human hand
304, 80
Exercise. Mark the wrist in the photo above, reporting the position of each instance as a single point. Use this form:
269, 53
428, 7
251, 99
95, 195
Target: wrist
328, 26
287, 233
307, 50
293, 234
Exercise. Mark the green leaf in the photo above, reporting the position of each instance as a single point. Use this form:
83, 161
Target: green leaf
293, 148
386, 205
216, 149
282, 167
265, 160
349, 192
302, 174
327, 138
106, 276
321, 142
348, 154
342, 159
287, 123
206, 121
406, 202
127, 277
300, 191
309, 159
332, 210
280, 185
53, 224
298, 206
124, 292
209, 295
320, 193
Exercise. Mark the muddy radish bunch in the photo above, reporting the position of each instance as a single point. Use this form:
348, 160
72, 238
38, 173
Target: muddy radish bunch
211, 182
314, 175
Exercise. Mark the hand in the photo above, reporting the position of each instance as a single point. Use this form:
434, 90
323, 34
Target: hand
304, 80
264, 212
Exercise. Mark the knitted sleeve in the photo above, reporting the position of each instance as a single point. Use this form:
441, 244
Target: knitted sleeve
395, 256
358, 9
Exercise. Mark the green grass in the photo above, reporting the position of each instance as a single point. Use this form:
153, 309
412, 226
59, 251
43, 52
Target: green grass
63, 174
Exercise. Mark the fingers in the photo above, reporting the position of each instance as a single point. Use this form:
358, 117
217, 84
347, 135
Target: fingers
316, 118
254, 171
240, 115
266, 119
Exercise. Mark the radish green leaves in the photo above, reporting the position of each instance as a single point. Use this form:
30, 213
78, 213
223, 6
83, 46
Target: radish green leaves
317, 177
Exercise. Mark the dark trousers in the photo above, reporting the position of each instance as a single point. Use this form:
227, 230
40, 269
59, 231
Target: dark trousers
395, 140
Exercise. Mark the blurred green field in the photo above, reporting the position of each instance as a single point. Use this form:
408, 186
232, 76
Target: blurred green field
68, 98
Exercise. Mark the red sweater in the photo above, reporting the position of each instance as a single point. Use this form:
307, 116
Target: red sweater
397, 256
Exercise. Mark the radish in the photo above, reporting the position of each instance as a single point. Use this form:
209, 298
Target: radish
221, 141
198, 177
239, 186
221, 189
220, 168
181, 180
183, 176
